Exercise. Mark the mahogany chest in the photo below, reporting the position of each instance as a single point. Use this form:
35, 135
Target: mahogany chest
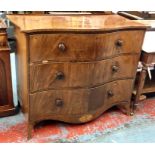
74, 67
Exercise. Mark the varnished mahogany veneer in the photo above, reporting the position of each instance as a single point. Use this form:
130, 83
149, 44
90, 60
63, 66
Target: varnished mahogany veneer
79, 101
78, 46
6, 96
91, 73
73, 23
73, 68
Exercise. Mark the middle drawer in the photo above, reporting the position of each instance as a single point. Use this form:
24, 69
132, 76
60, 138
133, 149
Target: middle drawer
81, 74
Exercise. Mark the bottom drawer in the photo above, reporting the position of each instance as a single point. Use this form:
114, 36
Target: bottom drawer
79, 101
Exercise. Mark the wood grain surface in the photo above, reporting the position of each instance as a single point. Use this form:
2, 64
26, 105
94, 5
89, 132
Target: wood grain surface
81, 74
31, 23
79, 101
79, 46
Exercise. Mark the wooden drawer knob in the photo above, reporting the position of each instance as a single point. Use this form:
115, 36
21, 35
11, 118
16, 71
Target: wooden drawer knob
115, 68
119, 43
62, 47
59, 102
110, 93
60, 76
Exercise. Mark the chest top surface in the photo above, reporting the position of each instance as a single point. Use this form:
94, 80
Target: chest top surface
33, 23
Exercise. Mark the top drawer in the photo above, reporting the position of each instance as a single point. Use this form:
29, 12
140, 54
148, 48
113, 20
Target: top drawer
83, 47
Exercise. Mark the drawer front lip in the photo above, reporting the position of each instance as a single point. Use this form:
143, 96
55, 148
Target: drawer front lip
83, 47
80, 75
80, 101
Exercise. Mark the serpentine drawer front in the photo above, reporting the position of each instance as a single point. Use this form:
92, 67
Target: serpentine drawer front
79, 101
77, 47
81, 74
73, 68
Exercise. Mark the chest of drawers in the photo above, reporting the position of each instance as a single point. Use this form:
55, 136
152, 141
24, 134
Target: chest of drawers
73, 68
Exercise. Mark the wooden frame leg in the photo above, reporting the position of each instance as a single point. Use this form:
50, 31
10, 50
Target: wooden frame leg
29, 133
140, 86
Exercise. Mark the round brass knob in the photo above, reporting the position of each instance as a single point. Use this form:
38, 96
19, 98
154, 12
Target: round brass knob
119, 43
62, 47
110, 93
60, 75
59, 102
115, 68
